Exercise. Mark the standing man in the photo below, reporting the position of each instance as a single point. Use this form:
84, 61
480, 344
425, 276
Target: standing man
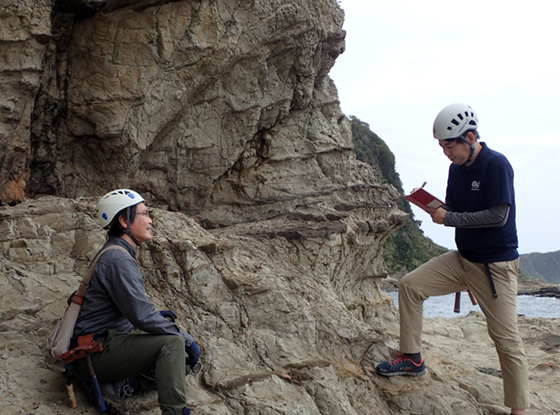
480, 205
116, 303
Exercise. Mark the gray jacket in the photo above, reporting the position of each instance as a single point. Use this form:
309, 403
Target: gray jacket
116, 300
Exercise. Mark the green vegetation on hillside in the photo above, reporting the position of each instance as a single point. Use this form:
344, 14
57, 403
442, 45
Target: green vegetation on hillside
408, 247
545, 266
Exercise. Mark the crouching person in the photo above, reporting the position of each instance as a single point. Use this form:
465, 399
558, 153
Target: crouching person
116, 303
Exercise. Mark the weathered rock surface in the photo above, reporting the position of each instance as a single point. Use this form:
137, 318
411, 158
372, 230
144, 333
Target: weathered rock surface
221, 111
280, 332
25, 32
216, 107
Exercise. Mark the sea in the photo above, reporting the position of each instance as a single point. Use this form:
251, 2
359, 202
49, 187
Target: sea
442, 306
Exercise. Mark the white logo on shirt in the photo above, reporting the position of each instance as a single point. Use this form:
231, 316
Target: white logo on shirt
475, 186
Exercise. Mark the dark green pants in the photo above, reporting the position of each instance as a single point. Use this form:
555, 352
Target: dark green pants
157, 357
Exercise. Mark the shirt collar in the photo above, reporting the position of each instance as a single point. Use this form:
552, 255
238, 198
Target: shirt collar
115, 240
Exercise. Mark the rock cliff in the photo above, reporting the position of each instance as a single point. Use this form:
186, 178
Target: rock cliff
268, 230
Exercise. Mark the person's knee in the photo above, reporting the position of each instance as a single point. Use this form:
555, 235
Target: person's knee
175, 344
508, 345
407, 282
171, 347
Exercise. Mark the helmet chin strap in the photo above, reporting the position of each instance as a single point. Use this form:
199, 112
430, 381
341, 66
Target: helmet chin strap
127, 230
471, 146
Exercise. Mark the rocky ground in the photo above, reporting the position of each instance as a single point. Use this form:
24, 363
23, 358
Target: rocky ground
276, 337
457, 349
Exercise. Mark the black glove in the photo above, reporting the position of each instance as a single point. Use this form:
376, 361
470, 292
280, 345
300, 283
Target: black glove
193, 354
168, 314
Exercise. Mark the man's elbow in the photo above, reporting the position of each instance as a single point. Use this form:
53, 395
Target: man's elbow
502, 215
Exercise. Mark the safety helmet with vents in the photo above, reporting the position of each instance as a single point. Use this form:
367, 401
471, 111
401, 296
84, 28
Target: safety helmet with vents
453, 121
115, 201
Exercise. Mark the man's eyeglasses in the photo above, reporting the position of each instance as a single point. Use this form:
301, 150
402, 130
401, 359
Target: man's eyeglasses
145, 213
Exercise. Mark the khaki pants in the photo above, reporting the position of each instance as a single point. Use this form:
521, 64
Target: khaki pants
451, 273
160, 357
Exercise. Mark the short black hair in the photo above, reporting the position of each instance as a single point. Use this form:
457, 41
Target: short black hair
475, 132
463, 137
115, 228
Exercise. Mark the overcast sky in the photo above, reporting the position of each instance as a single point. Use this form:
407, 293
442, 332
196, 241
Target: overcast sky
405, 60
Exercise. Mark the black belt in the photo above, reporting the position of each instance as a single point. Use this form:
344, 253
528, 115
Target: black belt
489, 273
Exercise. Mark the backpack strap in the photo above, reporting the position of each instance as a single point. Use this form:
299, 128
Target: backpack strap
78, 296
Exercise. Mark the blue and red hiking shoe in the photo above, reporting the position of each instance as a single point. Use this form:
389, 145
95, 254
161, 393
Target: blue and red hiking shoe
402, 366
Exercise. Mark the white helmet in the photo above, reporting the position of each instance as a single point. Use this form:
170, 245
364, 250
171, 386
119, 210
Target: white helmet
454, 120
115, 201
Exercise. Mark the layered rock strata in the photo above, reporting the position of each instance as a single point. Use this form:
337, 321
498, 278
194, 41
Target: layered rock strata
269, 232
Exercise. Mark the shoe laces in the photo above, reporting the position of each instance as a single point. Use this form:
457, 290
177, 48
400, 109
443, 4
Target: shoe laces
126, 391
125, 387
399, 359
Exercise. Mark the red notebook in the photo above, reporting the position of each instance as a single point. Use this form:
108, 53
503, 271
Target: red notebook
423, 199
